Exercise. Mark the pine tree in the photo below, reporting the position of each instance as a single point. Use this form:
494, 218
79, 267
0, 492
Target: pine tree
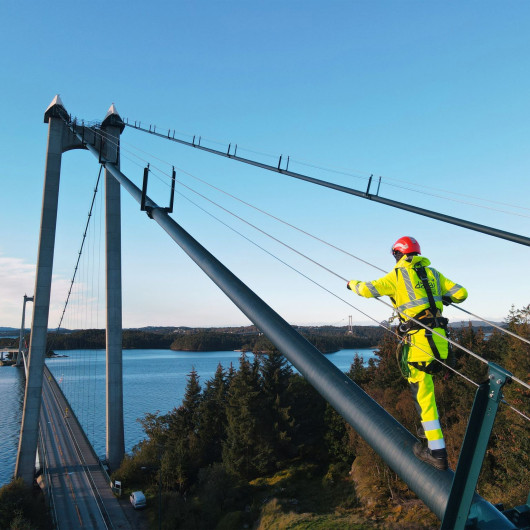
307, 408
507, 462
212, 413
357, 372
276, 374
180, 461
246, 451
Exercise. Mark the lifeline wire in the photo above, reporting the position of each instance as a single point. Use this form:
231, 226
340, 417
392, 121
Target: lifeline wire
308, 234
325, 268
314, 237
345, 280
335, 247
342, 299
316, 283
340, 277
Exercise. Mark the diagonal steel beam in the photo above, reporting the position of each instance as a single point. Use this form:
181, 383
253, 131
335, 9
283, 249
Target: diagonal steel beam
382, 432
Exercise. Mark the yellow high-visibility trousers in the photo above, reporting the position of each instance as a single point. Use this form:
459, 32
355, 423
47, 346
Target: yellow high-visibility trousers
422, 387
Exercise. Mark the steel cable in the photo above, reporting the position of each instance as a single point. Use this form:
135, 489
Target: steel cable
479, 358
351, 173
387, 328
310, 235
504, 330
328, 270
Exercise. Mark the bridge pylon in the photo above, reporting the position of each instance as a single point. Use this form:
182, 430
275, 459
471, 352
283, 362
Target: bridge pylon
111, 127
60, 140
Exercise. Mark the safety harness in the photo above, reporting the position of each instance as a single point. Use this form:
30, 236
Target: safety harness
431, 318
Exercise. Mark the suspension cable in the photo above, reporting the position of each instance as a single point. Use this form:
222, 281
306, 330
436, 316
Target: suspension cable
387, 328
306, 233
356, 173
504, 330
344, 279
417, 321
81, 248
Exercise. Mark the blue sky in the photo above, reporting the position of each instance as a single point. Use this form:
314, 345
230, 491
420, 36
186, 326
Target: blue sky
429, 94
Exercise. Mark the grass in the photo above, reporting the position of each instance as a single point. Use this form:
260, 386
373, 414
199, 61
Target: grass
306, 497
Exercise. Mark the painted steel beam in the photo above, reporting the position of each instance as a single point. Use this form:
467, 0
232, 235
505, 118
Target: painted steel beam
382, 432
502, 234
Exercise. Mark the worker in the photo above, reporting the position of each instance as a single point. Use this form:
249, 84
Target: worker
419, 292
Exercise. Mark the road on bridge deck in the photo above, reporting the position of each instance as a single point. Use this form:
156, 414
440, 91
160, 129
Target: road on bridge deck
81, 495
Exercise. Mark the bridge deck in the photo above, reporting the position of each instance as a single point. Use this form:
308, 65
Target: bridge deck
81, 495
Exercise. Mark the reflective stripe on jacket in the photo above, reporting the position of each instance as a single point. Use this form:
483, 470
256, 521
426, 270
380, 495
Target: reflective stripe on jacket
408, 295
406, 290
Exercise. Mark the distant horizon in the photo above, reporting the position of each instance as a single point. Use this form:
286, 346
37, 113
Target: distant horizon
454, 323
414, 104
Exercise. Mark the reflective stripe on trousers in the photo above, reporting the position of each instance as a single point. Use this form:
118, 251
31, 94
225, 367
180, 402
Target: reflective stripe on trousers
422, 388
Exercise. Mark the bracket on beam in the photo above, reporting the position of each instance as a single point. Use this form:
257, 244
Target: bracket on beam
368, 187
474, 446
149, 209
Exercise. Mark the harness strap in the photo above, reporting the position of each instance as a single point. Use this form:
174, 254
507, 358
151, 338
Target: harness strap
427, 367
422, 275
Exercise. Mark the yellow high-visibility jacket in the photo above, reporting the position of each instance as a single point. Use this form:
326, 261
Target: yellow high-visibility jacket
409, 297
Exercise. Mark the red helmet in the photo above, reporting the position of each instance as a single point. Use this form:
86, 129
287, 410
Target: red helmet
406, 245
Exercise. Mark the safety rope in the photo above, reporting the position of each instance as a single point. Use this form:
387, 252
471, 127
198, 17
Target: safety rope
387, 328
463, 348
503, 330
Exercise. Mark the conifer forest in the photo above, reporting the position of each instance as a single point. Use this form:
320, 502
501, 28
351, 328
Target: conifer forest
257, 447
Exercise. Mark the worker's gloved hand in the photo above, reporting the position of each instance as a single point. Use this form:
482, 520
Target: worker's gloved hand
446, 300
351, 284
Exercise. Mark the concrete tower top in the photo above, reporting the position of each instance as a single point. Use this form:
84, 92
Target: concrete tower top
112, 118
55, 109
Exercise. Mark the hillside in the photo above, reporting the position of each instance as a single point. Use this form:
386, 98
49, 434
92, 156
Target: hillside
328, 339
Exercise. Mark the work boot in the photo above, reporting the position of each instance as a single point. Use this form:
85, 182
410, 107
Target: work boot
436, 458
420, 433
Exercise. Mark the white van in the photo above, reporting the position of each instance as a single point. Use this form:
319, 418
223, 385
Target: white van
137, 499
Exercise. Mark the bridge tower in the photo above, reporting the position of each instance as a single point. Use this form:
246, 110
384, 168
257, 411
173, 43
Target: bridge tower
112, 126
60, 140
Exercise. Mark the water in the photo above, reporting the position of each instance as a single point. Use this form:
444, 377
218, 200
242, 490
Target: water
153, 380
12, 400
